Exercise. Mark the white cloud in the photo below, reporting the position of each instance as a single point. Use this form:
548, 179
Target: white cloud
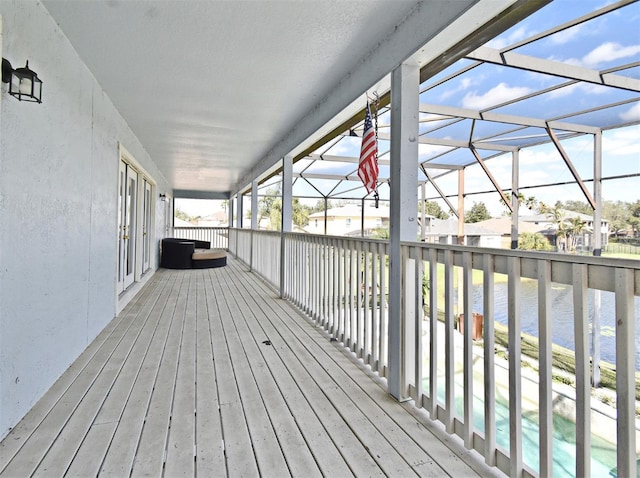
466, 82
462, 85
564, 91
500, 93
514, 37
604, 53
568, 61
632, 114
608, 51
565, 36
542, 157
622, 142
330, 167
346, 147
576, 88
428, 150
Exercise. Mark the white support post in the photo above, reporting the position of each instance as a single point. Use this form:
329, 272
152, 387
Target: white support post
254, 205
362, 217
489, 360
625, 373
286, 224
515, 202
423, 215
583, 386
240, 209
515, 368
545, 359
405, 81
467, 289
326, 207
287, 193
597, 251
461, 240
254, 218
231, 225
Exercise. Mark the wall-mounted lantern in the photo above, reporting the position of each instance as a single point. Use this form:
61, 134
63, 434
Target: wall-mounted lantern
163, 197
24, 83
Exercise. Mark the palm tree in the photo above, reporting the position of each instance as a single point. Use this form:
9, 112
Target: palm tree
567, 230
575, 228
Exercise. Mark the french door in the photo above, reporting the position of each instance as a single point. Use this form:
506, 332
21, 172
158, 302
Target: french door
147, 226
127, 224
136, 221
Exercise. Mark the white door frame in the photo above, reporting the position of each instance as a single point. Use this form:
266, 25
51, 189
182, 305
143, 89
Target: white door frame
136, 221
147, 223
128, 224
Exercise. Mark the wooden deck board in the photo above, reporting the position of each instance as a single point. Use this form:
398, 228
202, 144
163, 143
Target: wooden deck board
237, 443
91, 454
181, 439
293, 453
297, 359
182, 384
96, 407
280, 361
151, 453
210, 460
267, 451
120, 454
367, 435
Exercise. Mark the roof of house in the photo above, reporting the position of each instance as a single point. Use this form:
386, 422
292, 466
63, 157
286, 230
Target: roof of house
502, 225
546, 218
449, 227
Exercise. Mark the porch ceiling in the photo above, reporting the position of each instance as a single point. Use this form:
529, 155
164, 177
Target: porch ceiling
218, 91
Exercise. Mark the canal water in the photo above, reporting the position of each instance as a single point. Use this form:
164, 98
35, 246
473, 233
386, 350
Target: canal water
562, 314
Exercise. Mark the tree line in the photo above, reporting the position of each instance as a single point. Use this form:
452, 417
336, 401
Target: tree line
621, 216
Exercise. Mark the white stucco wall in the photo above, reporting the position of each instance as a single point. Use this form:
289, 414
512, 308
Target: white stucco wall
58, 210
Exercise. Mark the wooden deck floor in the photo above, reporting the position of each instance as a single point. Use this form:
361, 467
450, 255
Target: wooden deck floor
207, 373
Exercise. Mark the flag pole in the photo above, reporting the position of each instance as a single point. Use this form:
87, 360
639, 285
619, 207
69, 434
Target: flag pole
368, 164
376, 103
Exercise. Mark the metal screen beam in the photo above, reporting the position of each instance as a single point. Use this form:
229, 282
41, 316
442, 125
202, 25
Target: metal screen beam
556, 68
571, 167
491, 178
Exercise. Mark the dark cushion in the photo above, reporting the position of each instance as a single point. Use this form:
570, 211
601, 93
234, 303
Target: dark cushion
209, 263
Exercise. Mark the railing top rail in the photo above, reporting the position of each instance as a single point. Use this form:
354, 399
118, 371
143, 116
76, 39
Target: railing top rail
336, 238
261, 231
200, 227
548, 256
535, 255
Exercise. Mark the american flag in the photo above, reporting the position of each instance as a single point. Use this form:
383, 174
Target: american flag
368, 165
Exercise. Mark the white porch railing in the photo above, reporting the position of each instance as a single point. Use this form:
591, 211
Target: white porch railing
217, 236
342, 283
263, 257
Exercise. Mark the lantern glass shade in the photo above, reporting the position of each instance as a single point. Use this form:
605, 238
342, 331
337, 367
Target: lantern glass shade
25, 85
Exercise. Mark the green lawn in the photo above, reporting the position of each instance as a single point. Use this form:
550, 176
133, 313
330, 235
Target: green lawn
621, 255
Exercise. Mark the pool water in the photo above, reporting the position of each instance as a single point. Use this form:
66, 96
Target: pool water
603, 453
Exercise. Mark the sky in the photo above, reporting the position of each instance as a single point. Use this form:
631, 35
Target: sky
604, 42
